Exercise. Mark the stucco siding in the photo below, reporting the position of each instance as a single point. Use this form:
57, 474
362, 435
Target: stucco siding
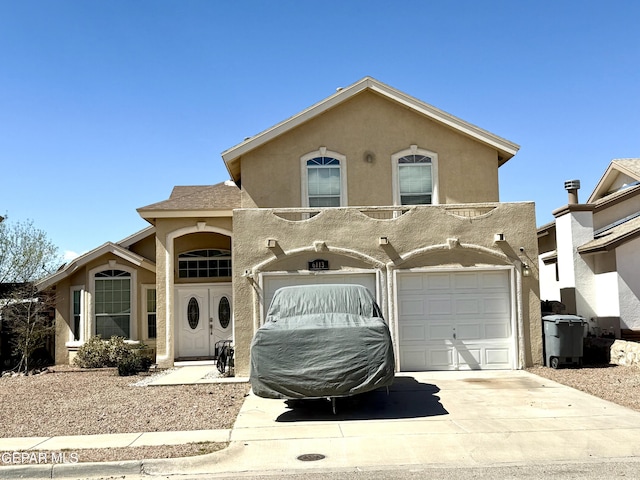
370, 125
628, 262
169, 234
349, 239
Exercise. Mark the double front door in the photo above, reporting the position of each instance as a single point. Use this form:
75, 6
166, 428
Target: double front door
204, 317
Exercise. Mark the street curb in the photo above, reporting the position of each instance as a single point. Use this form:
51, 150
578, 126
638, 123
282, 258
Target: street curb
97, 469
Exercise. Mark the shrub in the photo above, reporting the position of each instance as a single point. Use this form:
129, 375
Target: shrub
98, 353
93, 354
133, 363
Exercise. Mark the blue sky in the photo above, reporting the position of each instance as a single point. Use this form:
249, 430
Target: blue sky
106, 105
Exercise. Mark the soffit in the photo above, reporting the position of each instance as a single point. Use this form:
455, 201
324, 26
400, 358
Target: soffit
233, 156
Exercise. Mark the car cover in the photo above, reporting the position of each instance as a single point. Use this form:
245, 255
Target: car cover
321, 341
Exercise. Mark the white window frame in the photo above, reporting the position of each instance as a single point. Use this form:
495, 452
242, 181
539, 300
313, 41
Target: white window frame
414, 150
146, 312
322, 152
81, 335
133, 317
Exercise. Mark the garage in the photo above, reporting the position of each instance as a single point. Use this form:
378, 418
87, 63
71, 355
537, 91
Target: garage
274, 281
455, 320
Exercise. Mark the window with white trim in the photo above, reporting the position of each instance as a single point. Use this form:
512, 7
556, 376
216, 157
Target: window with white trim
112, 303
415, 177
77, 310
210, 263
151, 312
323, 179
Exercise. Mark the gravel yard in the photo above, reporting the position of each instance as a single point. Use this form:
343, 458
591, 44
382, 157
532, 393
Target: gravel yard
75, 402
88, 402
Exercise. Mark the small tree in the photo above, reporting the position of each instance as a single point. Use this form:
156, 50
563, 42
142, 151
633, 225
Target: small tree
26, 255
27, 317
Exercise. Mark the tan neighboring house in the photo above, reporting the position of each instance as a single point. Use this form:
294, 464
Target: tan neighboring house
369, 186
589, 256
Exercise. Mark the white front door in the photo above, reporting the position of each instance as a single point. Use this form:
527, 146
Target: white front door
203, 318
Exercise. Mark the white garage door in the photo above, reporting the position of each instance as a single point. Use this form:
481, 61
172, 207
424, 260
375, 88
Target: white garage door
274, 282
455, 320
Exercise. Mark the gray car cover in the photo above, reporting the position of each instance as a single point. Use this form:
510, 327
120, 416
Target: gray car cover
321, 341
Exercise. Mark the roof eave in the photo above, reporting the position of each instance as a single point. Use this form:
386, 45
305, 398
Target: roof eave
153, 214
506, 148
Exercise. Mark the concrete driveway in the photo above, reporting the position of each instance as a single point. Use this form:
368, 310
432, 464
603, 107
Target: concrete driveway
433, 419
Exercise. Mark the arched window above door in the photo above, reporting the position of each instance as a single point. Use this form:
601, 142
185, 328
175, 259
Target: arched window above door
208, 263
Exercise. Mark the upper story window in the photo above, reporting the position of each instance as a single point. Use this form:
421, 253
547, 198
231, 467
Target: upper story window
323, 179
113, 303
209, 263
415, 177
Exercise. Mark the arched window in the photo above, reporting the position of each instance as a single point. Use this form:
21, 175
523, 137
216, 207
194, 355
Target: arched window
112, 304
210, 263
415, 177
323, 179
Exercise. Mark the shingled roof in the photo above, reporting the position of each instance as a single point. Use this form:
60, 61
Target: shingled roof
223, 196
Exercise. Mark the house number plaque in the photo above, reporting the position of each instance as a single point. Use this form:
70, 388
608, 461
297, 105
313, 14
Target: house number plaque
319, 264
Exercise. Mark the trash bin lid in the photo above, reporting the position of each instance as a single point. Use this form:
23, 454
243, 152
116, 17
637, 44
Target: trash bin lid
572, 319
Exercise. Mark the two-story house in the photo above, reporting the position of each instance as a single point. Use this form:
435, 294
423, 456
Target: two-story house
589, 255
369, 186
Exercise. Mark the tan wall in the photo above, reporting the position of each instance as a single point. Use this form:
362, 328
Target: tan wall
145, 248
368, 123
165, 347
348, 230
82, 277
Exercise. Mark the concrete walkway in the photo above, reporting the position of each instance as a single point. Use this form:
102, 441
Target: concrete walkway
435, 419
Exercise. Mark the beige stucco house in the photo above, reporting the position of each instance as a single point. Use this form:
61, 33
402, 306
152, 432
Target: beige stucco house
589, 258
369, 186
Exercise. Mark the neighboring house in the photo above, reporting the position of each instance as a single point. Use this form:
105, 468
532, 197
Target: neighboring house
369, 186
590, 255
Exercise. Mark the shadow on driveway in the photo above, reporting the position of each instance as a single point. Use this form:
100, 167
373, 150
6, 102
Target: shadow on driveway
407, 398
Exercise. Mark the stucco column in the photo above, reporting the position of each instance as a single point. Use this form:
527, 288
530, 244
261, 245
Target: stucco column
574, 227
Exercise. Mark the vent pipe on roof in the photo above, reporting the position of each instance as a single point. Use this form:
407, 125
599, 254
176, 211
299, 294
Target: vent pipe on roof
572, 186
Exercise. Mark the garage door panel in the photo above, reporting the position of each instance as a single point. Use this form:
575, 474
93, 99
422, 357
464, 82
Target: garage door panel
440, 357
468, 305
497, 305
437, 281
497, 280
413, 305
415, 332
467, 319
469, 332
469, 357
438, 305
497, 357
465, 281
497, 330
411, 283
441, 331
414, 358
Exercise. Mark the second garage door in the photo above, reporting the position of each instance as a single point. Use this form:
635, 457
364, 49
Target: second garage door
455, 320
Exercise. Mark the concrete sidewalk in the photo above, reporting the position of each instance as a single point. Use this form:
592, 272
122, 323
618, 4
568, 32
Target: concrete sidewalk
435, 419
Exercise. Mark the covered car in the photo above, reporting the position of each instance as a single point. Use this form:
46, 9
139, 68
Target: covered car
321, 341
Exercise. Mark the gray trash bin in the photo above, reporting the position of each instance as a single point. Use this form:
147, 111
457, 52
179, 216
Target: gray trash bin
563, 339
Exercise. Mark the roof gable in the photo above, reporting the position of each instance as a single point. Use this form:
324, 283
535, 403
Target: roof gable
82, 260
232, 156
620, 174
